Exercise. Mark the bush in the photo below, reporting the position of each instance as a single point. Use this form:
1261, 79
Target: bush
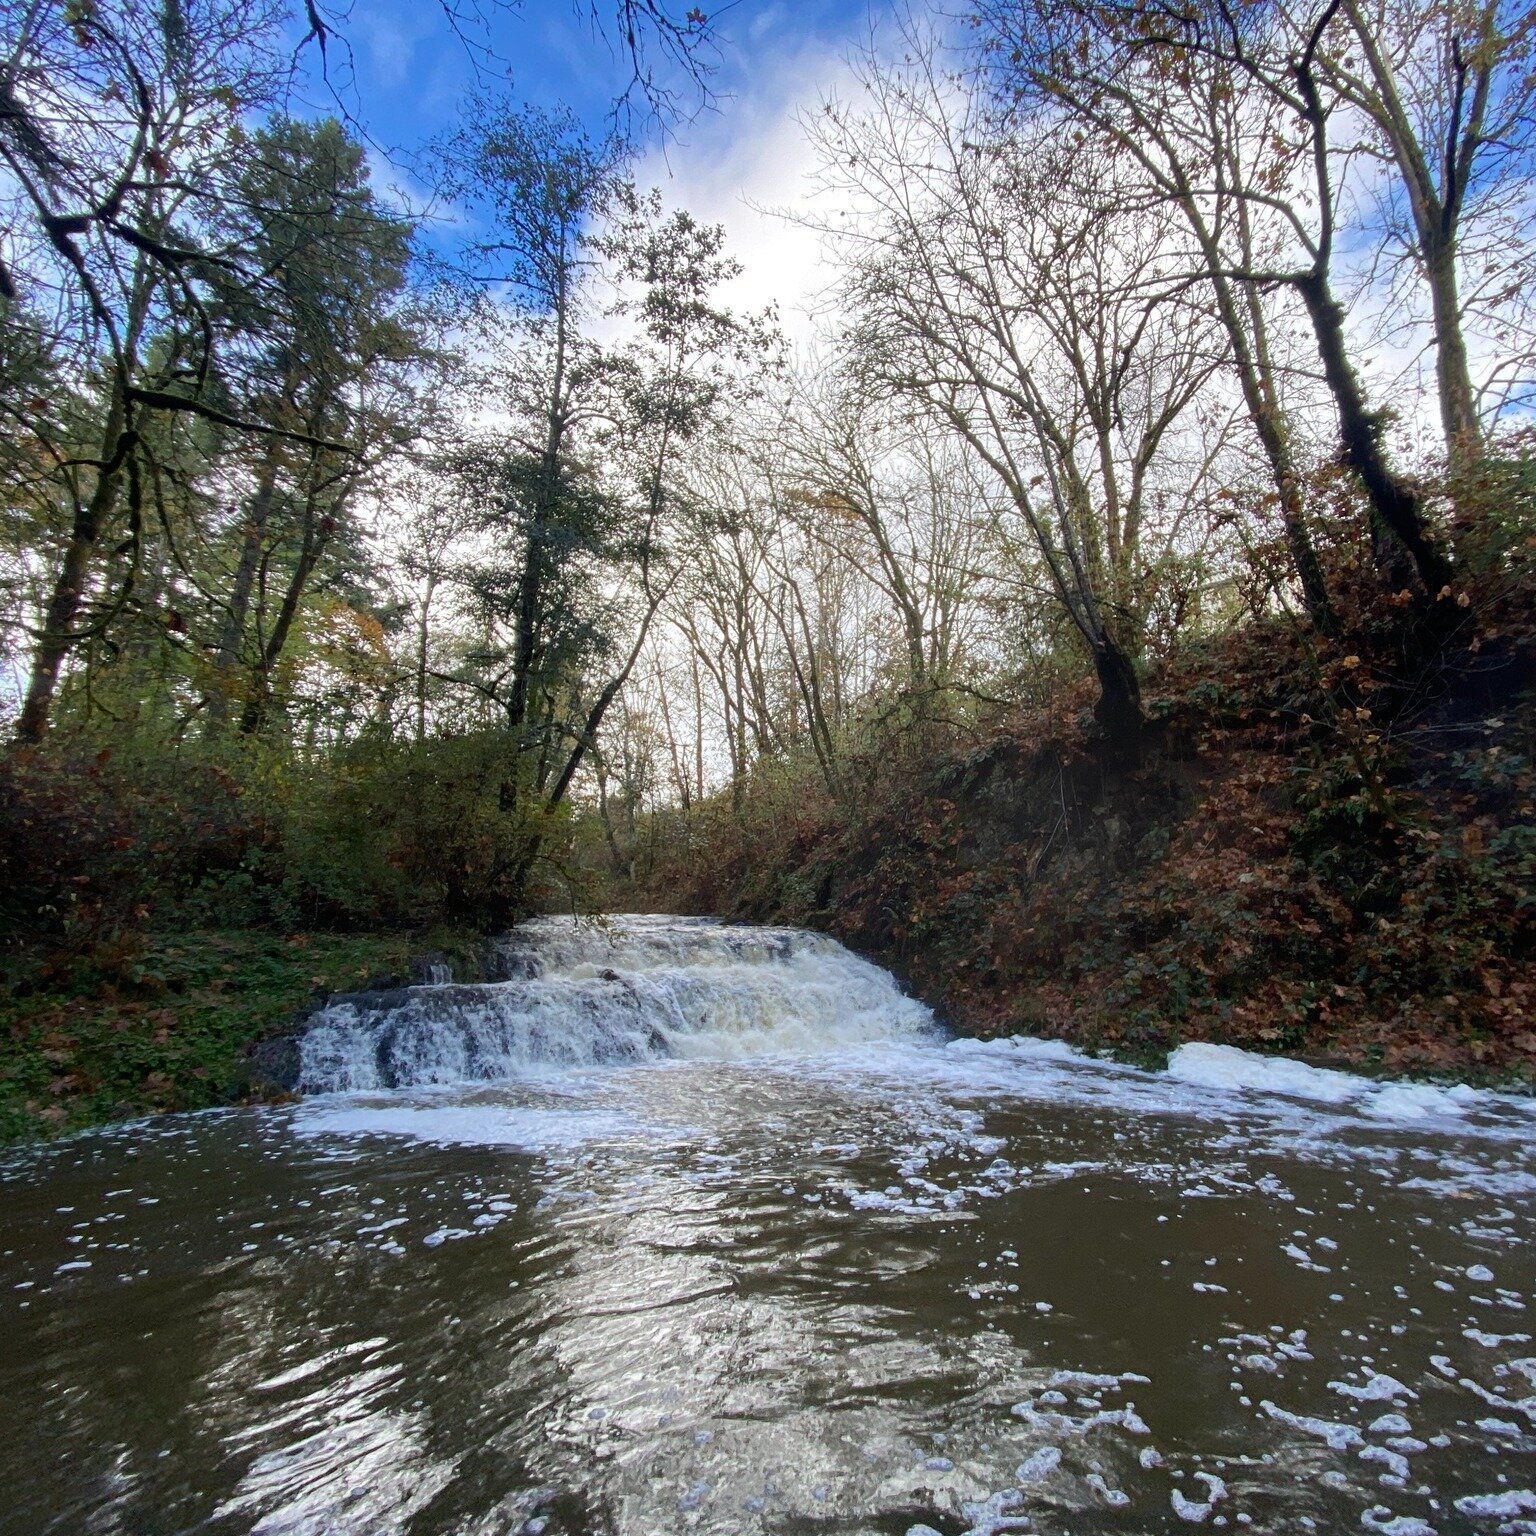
392, 833
97, 844
93, 842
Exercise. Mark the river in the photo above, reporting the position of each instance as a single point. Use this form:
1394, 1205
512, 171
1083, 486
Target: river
687, 1227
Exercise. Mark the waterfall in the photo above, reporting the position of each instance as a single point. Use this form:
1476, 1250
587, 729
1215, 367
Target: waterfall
583, 993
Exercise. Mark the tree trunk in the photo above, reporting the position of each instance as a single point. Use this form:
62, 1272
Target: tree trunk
421, 659
57, 636
1436, 209
595, 716
1118, 710
254, 716
1453, 376
1256, 377
698, 726
1395, 507
1298, 539
605, 815
232, 634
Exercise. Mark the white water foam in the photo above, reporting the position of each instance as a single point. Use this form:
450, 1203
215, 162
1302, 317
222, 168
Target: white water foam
1217, 1082
466, 1125
605, 994
625, 989
1224, 1066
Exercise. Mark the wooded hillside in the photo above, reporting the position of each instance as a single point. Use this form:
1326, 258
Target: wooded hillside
1121, 614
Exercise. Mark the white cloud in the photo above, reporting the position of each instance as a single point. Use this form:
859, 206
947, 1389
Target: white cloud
390, 44
748, 162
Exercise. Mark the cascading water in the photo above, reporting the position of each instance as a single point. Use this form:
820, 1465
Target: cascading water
623, 989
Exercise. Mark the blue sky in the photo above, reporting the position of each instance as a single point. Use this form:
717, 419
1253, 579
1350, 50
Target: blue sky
403, 73
409, 70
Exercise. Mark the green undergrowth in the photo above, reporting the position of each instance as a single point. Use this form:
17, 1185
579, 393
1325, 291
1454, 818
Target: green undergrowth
163, 1023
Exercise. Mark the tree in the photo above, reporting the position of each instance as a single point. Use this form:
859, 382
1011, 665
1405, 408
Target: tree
893, 500
574, 582
117, 135
325, 350
1190, 134
1002, 287
541, 182
673, 379
1449, 91
1137, 73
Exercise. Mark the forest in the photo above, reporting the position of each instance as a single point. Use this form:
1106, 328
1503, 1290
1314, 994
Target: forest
1119, 619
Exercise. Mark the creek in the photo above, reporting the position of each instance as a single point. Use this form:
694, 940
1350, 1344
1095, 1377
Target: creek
693, 1227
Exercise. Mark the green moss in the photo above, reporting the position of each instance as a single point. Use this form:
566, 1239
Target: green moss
164, 1026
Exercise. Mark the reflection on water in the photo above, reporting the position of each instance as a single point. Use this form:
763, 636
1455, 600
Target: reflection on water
916, 1284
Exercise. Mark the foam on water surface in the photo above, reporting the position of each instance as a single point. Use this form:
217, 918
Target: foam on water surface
1227, 1067
1221, 1082
465, 1125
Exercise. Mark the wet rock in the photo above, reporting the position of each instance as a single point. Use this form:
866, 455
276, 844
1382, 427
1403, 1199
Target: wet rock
272, 1066
429, 970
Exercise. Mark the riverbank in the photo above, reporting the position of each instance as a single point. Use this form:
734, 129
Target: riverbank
1322, 851
167, 1021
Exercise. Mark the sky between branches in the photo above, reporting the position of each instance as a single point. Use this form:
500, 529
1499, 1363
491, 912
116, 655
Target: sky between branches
401, 73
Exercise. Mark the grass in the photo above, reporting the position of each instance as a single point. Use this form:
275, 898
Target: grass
165, 1025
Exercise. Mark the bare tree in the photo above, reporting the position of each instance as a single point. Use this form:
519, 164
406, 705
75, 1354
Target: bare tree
892, 499
1120, 70
1192, 137
1000, 286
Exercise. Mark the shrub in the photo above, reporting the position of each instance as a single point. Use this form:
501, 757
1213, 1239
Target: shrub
390, 832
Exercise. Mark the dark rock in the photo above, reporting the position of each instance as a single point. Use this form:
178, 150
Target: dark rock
510, 958
427, 970
392, 999
273, 1066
